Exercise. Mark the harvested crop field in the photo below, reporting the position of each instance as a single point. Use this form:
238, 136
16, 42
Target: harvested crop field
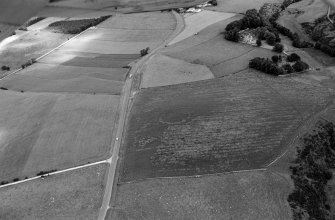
250, 195
140, 21
199, 21
72, 79
81, 59
240, 6
162, 70
71, 195
232, 123
41, 132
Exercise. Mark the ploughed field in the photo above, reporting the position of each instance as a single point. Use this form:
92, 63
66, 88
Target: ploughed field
250, 195
233, 123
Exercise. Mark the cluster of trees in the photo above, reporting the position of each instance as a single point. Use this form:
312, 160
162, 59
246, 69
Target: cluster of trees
5, 68
311, 172
213, 2
272, 66
28, 63
325, 48
144, 52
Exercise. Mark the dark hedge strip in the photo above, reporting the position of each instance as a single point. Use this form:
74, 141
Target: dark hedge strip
76, 26
311, 172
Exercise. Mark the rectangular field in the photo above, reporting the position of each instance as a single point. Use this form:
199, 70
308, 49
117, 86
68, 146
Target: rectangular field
232, 123
248, 196
71, 195
41, 132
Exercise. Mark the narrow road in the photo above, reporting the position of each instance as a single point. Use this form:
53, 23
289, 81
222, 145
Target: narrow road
125, 101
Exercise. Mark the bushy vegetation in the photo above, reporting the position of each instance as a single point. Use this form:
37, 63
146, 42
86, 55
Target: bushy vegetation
5, 68
28, 63
213, 2
41, 173
293, 57
276, 67
279, 48
144, 51
76, 26
311, 172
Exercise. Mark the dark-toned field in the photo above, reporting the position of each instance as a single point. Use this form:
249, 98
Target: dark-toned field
248, 196
232, 123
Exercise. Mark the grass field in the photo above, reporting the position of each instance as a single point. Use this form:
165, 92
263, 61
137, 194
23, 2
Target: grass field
72, 79
162, 70
240, 6
251, 196
41, 132
231, 123
199, 21
73, 195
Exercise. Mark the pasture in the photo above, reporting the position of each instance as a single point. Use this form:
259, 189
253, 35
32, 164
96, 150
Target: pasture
162, 70
251, 195
72, 195
45, 131
232, 123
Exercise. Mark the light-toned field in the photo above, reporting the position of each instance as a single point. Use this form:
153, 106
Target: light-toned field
233, 123
129, 5
138, 21
72, 195
41, 132
162, 70
71, 58
240, 6
199, 21
20, 48
44, 23
250, 196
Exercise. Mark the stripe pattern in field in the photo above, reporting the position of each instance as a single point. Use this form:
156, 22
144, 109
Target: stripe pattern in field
96, 61
231, 123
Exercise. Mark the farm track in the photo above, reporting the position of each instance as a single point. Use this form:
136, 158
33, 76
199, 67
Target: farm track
126, 103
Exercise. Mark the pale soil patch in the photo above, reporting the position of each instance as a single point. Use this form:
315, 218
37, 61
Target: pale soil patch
120, 35
250, 196
240, 6
162, 70
73, 195
147, 21
41, 132
199, 21
107, 47
19, 11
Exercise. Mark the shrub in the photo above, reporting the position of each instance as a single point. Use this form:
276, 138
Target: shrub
300, 66
213, 2
232, 35
266, 66
5, 68
16, 179
270, 38
275, 59
288, 68
259, 42
144, 51
293, 57
279, 48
